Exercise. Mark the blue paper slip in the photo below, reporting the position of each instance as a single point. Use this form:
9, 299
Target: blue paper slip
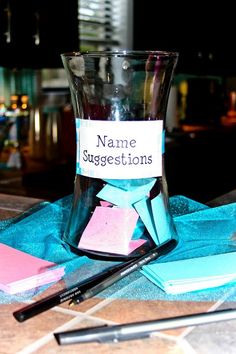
160, 219
143, 208
153, 215
130, 184
192, 274
116, 193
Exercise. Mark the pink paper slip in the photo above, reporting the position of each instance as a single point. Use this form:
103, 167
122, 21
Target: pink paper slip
110, 230
20, 271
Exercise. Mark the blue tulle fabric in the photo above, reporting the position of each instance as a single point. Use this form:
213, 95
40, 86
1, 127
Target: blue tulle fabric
201, 230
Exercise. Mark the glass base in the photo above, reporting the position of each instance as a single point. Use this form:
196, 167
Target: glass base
138, 252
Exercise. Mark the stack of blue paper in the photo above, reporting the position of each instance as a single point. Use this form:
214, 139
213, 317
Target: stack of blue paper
192, 274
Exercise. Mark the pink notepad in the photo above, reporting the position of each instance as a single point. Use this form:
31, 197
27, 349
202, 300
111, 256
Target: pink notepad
20, 271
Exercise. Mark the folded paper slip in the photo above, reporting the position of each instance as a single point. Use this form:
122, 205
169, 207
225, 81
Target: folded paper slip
20, 271
192, 274
110, 230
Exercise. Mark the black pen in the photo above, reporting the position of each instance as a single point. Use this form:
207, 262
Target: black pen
126, 270
138, 330
63, 295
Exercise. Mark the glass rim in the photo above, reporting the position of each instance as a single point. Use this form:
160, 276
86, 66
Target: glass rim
121, 53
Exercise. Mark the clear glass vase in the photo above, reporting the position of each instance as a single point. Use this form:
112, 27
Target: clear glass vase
120, 203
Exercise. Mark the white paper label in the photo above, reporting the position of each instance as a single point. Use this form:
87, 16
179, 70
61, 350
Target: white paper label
119, 150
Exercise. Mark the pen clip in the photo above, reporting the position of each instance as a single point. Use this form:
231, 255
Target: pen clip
126, 337
117, 339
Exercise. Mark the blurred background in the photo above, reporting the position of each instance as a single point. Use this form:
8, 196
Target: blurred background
37, 136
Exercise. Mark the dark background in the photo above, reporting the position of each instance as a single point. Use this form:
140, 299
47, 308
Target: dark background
199, 162
57, 23
202, 32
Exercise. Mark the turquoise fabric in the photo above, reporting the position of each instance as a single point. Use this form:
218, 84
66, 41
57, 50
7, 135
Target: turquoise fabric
201, 230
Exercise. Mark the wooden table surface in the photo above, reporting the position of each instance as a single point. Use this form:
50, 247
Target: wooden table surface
36, 334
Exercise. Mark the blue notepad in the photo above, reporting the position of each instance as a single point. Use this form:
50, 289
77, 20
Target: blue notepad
192, 274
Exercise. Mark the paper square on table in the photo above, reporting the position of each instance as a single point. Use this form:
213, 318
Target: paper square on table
110, 230
20, 271
192, 274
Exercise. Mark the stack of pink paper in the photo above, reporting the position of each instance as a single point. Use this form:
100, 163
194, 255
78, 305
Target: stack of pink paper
20, 271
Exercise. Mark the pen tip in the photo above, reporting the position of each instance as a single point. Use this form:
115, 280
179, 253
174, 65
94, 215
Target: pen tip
71, 303
19, 316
